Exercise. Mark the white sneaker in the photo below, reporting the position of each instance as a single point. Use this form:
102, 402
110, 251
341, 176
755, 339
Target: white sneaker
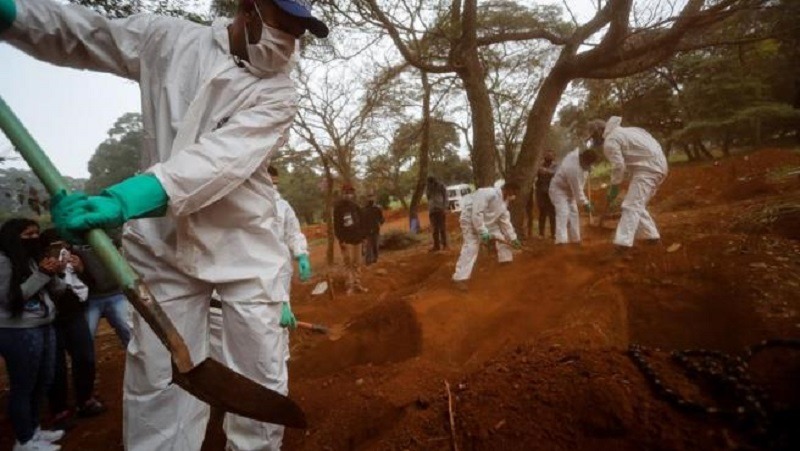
33, 445
42, 435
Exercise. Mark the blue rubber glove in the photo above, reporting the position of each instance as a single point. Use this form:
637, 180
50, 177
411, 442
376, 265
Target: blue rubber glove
304, 265
613, 192
140, 196
60, 205
486, 237
8, 13
588, 208
516, 244
287, 317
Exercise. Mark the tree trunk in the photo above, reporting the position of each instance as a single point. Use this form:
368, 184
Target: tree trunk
536, 128
703, 149
687, 149
424, 150
403, 203
726, 144
483, 139
328, 211
757, 130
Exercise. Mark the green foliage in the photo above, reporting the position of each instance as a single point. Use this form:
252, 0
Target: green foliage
117, 158
21, 193
734, 95
302, 188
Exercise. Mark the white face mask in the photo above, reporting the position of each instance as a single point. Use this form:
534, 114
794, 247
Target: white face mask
273, 51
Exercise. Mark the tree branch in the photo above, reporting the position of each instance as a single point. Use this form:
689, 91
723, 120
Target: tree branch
522, 36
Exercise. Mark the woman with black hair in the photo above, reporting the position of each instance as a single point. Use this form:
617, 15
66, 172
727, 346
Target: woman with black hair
27, 341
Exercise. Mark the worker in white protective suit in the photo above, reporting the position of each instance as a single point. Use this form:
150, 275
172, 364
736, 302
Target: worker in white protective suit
567, 191
217, 102
484, 217
287, 227
635, 150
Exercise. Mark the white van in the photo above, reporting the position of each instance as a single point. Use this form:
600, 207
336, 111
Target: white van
454, 195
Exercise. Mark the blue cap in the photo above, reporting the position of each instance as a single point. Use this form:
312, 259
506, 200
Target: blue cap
302, 9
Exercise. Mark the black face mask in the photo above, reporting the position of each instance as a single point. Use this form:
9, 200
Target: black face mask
32, 246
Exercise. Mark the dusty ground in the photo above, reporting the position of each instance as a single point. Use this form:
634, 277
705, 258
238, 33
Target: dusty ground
535, 351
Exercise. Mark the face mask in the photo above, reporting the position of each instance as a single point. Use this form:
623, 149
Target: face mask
510, 199
273, 51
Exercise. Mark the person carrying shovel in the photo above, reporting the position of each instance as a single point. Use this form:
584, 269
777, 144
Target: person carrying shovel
634, 150
217, 103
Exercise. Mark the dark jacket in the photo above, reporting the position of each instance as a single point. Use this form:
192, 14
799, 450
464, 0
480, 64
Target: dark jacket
95, 274
543, 179
373, 218
436, 193
348, 222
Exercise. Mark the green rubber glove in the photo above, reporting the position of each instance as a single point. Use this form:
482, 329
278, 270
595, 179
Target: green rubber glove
140, 196
304, 265
60, 205
287, 317
8, 13
613, 192
486, 237
588, 208
516, 244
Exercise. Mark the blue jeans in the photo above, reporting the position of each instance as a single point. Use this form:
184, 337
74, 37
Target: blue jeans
30, 355
115, 310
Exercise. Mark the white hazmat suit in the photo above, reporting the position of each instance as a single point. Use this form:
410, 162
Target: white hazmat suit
287, 226
566, 192
483, 211
635, 149
210, 129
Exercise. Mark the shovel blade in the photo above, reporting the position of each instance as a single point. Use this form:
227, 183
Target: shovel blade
220, 386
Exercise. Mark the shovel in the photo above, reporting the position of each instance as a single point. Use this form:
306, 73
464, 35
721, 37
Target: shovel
209, 381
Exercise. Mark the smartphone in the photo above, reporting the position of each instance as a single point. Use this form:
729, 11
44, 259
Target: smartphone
63, 255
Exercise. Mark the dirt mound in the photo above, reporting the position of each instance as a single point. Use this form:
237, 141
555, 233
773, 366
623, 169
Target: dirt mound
388, 332
565, 399
782, 219
731, 179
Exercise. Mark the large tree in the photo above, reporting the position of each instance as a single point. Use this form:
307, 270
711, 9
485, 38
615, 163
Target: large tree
116, 158
619, 40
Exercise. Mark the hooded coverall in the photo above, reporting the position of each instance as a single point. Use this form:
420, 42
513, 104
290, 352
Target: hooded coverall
635, 149
287, 226
483, 211
566, 190
210, 129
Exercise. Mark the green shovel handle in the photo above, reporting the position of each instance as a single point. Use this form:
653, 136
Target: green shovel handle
135, 290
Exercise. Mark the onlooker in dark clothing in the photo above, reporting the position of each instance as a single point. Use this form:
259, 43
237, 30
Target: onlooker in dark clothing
348, 226
105, 297
547, 211
373, 220
27, 340
436, 193
73, 338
